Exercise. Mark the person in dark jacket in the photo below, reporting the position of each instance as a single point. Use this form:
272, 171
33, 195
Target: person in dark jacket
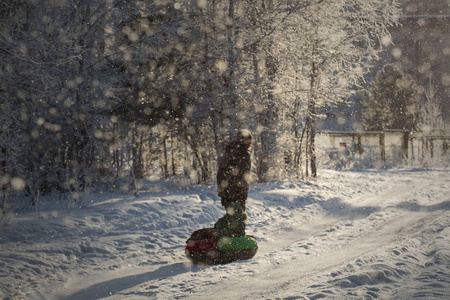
233, 175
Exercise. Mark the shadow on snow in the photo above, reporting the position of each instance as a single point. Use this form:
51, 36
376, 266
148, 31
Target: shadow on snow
336, 207
113, 286
430, 208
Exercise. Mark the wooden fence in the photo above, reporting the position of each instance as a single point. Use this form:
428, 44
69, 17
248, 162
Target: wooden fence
386, 144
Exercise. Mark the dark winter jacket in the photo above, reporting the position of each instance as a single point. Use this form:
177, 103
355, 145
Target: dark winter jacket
233, 175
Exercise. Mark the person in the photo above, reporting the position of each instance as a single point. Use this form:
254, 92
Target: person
233, 175
232, 224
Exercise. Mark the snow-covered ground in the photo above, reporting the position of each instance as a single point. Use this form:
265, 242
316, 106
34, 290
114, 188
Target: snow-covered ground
346, 235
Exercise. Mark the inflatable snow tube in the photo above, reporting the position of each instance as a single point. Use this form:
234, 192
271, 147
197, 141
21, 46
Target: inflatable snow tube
221, 250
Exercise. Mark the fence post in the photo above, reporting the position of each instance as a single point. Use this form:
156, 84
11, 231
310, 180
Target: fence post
405, 144
382, 146
359, 143
431, 148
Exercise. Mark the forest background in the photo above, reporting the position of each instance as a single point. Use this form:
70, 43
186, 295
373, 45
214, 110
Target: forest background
102, 93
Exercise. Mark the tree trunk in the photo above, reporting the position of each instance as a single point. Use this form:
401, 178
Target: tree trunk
172, 154
229, 80
311, 115
138, 163
269, 115
4, 184
298, 162
165, 160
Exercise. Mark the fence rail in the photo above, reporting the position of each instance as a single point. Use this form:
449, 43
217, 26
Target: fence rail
411, 147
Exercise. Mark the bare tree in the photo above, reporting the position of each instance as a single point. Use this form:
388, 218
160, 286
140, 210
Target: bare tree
430, 116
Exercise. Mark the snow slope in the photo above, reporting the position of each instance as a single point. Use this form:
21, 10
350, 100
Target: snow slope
347, 235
